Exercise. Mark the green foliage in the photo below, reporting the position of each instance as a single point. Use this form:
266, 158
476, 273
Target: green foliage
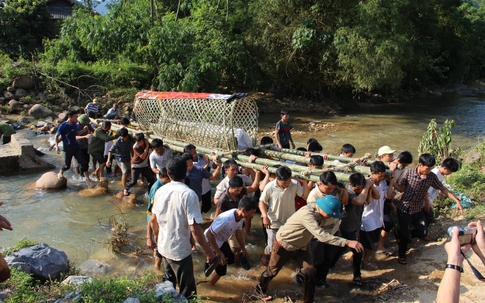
118, 289
437, 140
23, 26
22, 243
9, 70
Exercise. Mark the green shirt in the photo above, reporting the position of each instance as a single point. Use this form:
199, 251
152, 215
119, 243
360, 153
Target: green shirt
96, 147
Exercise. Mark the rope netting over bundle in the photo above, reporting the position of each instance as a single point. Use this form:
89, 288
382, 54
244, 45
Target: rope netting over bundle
217, 121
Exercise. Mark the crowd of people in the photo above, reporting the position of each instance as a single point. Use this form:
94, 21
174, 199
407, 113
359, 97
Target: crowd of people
314, 223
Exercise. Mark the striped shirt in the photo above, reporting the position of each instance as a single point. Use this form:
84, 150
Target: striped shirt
415, 190
91, 107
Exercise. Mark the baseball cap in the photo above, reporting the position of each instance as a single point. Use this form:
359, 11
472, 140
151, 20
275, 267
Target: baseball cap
330, 205
385, 150
84, 119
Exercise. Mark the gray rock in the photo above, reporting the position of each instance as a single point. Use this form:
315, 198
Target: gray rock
472, 157
167, 287
15, 105
20, 92
48, 119
94, 267
25, 120
132, 300
62, 116
38, 111
76, 280
27, 106
11, 89
46, 262
8, 95
24, 82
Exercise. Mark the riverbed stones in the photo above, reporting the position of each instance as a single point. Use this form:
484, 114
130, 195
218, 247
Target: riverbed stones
130, 199
167, 287
94, 267
76, 280
45, 262
50, 180
8, 95
39, 111
24, 82
19, 93
101, 188
15, 105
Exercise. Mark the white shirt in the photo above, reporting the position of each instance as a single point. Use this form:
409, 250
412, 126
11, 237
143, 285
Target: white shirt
373, 215
157, 161
432, 192
280, 202
224, 226
206, 186
224, 185
176, 207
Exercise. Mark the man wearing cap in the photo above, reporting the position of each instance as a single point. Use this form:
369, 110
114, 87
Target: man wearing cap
282, 131
113, 113
6, 130
385, 154
92, 109
312, 220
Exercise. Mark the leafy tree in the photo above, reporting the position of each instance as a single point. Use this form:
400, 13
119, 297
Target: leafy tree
23, 26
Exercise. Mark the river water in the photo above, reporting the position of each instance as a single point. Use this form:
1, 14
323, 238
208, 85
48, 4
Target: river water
80, 226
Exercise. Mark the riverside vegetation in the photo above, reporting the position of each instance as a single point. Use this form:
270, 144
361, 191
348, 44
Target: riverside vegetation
338, 50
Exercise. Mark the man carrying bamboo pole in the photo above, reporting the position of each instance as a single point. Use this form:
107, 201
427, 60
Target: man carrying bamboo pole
277, 204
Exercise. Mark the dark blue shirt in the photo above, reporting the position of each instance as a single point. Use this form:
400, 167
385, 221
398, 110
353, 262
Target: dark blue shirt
68, 134
122, 150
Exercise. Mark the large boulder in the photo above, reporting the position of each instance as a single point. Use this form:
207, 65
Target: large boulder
24, 82
50, 180
39, 111
44, 261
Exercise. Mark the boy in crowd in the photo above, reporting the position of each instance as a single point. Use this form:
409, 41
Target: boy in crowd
224, 226
204, 163
197, 174
67, 132
325, 255
373, 214
316, 162
282, 131
231, 169
414, 185
360, 191
447, 167
122, 150
139, 163
96, 146
159, 156
293, 238
151, 237
277, 204
397, 167
266, 140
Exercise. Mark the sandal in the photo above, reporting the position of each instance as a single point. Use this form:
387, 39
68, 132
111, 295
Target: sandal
357, 281
402, 260
126, 192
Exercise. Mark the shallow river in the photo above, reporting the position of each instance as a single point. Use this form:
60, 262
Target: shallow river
80, 226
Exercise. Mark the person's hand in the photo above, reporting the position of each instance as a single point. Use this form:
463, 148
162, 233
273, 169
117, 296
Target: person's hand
459, 208
266, 222
244, 252
216, 163
151, 244
264, 169
206, 158
393, 166
88, 136
252, 158
223, 259
356, 160
392, 207
325, 157
370, 182
57, 149
479, 246
293, 145
368, 155
355, 245
108, 163
427, 207
210, 256
454, 249
308, 154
